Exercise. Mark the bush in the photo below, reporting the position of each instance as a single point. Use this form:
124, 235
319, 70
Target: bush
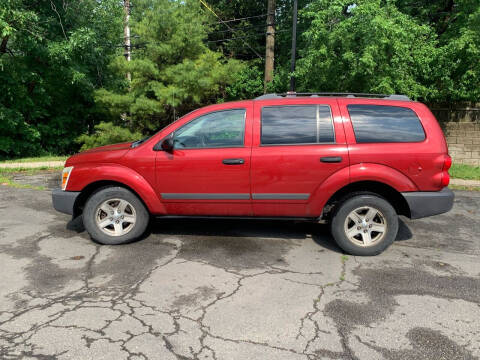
106, 134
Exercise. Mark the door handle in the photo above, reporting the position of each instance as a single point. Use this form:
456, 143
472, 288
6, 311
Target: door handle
233, 161
331, 159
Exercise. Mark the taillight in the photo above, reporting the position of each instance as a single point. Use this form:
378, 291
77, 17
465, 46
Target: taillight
447, 163
445, 178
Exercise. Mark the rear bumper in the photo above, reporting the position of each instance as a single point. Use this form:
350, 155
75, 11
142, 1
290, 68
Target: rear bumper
64, 201
428, 203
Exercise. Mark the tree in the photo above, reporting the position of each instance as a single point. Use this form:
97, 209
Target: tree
457, 27
429, 50
252, 29
369, 46
172, 69
53, 55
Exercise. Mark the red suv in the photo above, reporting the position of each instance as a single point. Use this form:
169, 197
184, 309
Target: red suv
356, 161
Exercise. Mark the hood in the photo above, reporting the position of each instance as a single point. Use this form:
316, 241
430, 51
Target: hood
121, 146
107, 153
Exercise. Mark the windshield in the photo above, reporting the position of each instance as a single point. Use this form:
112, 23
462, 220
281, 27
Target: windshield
141, 141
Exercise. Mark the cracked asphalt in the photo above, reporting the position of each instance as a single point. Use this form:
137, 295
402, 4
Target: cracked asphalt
235, 289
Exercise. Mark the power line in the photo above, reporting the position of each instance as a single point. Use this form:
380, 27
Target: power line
237, 38
241, 28
240, 19
224, 23
248, 36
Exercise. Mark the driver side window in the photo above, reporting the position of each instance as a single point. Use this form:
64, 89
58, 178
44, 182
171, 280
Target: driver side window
219, 129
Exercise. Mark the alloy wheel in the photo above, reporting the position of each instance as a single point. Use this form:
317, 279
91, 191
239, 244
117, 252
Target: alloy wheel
365, 226
115, 217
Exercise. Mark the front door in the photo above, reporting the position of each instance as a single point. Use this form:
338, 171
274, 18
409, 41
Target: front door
296, 148
208, 172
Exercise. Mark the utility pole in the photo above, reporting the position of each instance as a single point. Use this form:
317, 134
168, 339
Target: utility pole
270, 44
126, 33
294, 45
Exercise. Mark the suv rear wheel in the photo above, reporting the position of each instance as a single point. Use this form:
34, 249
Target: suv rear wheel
114, 215
364, 224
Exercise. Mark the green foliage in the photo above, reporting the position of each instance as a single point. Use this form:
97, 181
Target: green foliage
53, 54
105, 134
248, 83
62, 68
370, 47
429, 51
173, 73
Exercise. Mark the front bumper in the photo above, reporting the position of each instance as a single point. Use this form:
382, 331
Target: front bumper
64, 201
428, 203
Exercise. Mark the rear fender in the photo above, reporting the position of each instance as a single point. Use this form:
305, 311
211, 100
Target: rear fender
84, 175
357, 173
383, 174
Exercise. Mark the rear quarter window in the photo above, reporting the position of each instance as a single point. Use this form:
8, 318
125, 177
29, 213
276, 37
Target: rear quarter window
385, 124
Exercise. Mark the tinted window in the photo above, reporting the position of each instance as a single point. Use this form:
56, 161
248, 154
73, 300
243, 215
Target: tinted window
217, 129
305, 124
376, 123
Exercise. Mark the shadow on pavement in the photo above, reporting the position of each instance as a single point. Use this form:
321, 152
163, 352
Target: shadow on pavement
300, 230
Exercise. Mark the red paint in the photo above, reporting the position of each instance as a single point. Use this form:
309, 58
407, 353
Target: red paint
285, 169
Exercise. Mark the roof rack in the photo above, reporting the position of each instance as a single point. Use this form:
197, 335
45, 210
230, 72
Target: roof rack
348, 95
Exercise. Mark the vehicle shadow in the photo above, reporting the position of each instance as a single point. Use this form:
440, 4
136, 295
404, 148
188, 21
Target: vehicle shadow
276, 229
233, 228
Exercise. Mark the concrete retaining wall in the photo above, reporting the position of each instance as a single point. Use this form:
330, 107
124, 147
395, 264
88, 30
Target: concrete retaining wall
463, 140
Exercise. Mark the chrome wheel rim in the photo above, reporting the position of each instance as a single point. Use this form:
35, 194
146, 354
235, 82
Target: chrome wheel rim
365, 226
115, 217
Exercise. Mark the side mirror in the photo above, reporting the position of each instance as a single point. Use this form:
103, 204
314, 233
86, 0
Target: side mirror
165, 145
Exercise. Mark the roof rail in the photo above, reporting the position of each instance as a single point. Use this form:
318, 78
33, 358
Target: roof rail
268, 96
339, 94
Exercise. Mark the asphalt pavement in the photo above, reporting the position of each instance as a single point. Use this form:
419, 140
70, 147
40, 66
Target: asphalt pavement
195, 289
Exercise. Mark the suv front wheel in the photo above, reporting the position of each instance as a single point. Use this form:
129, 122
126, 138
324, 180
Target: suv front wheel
364, 224
114, 215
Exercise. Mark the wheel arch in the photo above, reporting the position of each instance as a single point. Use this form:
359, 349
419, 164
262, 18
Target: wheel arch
93, 187
87, 178
393, 196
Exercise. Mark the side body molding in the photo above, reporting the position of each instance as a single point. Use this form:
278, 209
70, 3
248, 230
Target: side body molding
83, 175
356, 173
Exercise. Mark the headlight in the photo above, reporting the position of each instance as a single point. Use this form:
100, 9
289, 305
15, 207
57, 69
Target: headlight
65, 176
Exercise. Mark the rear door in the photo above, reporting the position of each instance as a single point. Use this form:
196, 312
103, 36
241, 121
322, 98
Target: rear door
296, 146
208, 172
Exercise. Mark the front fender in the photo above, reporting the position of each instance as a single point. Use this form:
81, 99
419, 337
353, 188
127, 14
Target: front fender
83, 175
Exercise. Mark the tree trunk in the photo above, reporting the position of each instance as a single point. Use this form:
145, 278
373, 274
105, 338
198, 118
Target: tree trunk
270, 44
3, 45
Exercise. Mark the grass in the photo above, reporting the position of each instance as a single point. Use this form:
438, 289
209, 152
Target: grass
466, 172
28, 171
6, 174
35, 159
6, 181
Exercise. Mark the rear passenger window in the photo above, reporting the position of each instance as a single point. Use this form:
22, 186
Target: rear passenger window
385, 124
297, 124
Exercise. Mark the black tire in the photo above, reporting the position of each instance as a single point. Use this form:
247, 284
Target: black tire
357, 201
136, 230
